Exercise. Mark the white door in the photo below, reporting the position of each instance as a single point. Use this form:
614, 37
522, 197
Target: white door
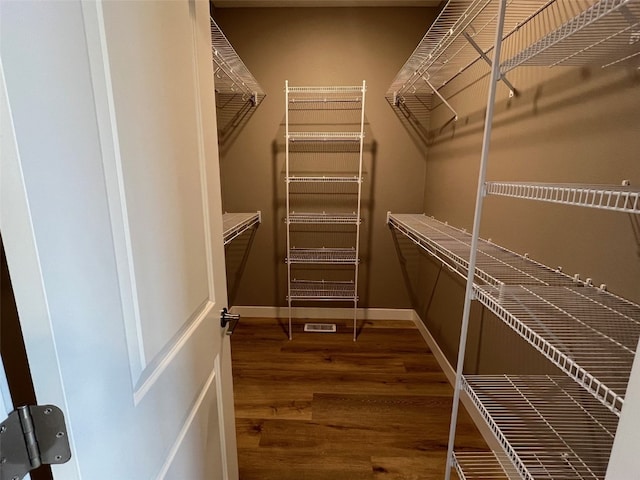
111, 220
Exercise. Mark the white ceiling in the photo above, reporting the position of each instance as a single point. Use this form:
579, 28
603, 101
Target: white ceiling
325, 3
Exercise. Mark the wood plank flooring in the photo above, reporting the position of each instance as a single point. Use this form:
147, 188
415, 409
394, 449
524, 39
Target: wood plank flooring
323, 407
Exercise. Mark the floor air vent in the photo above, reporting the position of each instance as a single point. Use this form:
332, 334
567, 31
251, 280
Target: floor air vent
320, 327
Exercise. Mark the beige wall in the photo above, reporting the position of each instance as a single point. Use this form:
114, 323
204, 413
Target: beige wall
322, 46
568, 125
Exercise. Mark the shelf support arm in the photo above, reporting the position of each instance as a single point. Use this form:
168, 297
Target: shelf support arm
486, 139
442, 99
512, 90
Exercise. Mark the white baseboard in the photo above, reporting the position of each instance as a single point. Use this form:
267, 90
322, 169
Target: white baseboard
325, 313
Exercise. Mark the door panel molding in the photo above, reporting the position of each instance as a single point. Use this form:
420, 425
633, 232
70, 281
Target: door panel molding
164, 359
112, 162
197, 407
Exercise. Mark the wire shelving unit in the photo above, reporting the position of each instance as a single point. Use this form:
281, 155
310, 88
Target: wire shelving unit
567, 33
322, 290
549, 427
535, 32
237, 92
325, 137
587, 332
324, 128
324, 218
621, 198
324, 179
235, 224
326, 256
483, 466
495, 265
590, 334
232, 75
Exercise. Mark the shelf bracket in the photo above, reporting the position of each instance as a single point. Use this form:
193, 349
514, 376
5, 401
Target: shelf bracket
512, 90
397, 99
442, 99
633, 21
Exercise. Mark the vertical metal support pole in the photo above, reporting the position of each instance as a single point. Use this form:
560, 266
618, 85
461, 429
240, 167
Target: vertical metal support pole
359, 220
286, 136
495, 76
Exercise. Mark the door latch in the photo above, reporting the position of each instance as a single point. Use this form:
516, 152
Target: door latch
228, 318
32, 435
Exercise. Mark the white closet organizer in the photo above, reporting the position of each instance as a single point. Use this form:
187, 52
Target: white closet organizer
548, 427
232, 76
324, 130
237, 91
235, 224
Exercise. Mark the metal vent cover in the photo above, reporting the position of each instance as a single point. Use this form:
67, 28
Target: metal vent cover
320, 327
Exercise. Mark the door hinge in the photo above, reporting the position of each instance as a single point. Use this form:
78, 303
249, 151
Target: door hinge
31, 436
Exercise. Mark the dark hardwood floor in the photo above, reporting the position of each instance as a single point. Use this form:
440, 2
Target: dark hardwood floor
323, 407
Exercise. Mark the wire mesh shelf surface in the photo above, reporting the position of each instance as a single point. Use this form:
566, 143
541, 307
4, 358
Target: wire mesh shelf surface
483, 466
548, 426
588, 333
495, 265
445, 51
537, 32
322, 290
232, 76
325, 136
325, 98
603, 32
327, 90
324, 179
607, 197
339, 256
235, 224
324, 218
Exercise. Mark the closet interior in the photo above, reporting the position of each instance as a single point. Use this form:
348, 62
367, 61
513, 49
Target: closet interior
324, 131
548, 426
507, 57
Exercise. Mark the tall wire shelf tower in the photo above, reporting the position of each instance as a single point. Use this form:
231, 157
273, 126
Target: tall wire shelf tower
324, 133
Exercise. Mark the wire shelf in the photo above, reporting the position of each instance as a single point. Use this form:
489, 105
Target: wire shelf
548, 426
445, 52
322, 290
483, 466
495, 265
235, 224
324, 218
604, 32
325, 136
334, 256
333, 99
588, 333
324, 179
606, 197
327, 90
232, 76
